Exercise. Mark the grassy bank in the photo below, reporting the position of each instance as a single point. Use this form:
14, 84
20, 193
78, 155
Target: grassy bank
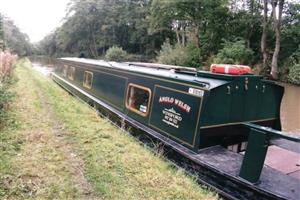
62, 149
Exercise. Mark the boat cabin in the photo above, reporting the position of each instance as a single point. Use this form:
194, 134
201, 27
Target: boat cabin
196, 109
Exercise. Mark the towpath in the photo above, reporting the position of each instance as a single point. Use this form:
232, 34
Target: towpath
56, 147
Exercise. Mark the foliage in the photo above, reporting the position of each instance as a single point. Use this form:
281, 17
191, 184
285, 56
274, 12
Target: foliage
7, 60
15, 40
234, 53
6, 66
294, 74
116, 54
194, 58
189, 19
177, 54
96, 25
293, 65
290, 31
172, 55
1, 33
140, 27
5, 98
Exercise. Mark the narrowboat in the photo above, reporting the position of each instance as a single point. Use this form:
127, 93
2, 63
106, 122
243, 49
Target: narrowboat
222, 122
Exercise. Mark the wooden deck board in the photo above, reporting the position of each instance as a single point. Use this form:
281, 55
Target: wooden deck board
283, 160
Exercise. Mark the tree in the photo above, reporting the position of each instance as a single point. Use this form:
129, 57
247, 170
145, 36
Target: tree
235, 52
14, 39
93, 26
185, 17
1, 33
264, 35
290, 30
277, 27
196, 30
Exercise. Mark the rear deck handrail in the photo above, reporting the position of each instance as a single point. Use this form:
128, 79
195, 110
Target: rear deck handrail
273, 133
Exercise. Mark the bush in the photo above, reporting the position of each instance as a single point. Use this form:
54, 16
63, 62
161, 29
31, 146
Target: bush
6, 66
6, 63
294, 74
5, 97
234, 53
117, 54
179, 55
171, 55
194, 58
293, 65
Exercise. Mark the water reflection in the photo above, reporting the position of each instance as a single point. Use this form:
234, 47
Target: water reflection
290, 109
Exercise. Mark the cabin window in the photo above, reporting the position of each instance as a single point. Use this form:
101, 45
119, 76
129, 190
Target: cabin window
65, 71
71, 73
88, 79
138, 99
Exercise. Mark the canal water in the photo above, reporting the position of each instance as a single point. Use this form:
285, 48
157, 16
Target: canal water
45, 70
290, 109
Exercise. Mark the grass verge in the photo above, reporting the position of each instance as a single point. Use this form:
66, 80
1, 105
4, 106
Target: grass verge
112, 162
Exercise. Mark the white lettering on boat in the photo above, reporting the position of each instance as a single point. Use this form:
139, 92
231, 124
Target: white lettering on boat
180, 104
171, 117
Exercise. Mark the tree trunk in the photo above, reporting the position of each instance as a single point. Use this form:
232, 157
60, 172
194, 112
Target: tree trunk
177, 35
90, 50
277, 26
94, 46
92, 42
197, 31
183, 35
263, 44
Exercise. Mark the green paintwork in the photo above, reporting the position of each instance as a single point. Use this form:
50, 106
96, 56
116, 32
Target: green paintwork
182, 123
237, 101
255, 156
258, 141
212, 104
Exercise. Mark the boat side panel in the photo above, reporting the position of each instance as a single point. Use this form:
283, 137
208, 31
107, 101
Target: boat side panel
111, 87
106, 86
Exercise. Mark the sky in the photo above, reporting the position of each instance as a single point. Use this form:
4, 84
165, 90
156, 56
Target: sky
36, 18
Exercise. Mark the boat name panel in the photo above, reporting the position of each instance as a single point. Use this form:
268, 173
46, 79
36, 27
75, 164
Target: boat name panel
175, 113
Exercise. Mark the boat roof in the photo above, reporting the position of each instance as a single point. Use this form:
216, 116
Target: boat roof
205, 79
